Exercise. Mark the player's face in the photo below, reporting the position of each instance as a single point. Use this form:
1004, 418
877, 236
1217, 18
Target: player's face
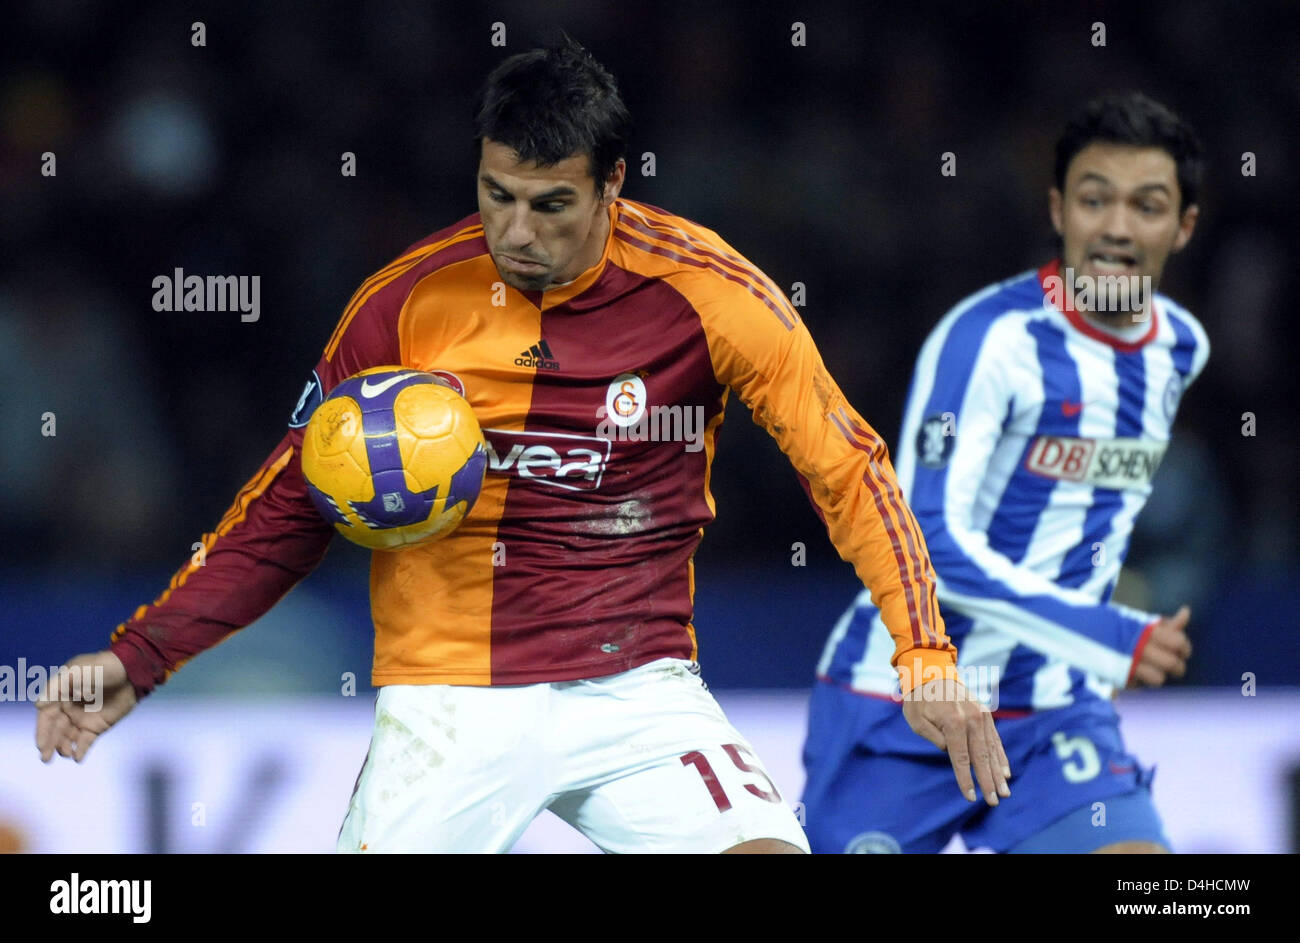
1119, 213
544, 226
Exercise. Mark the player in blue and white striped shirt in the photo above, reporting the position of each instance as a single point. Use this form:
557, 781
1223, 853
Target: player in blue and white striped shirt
1039, 410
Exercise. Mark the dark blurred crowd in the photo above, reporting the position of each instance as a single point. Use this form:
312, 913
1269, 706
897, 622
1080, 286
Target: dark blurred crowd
820, 162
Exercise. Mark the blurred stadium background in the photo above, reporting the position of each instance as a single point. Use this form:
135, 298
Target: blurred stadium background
820, 163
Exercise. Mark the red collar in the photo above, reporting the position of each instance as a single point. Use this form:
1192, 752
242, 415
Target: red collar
1055, 290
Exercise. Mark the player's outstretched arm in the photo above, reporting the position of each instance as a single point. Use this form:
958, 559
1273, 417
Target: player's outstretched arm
770, 360
944, 712
90, 694
269, 539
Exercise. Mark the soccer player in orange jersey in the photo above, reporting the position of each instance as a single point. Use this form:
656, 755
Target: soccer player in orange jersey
567, 677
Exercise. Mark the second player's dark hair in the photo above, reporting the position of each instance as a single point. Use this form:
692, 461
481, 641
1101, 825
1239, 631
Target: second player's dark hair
1133, 118
550, 103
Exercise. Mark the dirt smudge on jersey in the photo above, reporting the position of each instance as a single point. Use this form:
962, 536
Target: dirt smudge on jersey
628, 517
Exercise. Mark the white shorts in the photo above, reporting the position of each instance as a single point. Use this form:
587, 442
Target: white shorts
642, 761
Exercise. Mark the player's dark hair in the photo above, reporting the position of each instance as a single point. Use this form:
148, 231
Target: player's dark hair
551, 103
1132, 118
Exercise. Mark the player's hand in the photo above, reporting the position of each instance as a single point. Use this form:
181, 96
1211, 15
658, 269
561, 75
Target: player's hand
70, 717
1166, 652
949, 716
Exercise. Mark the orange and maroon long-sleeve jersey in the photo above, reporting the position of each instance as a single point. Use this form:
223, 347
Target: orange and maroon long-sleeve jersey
576, 560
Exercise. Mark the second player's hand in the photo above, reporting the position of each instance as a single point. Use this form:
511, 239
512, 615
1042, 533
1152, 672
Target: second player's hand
950, 717
1165, 653
69, 719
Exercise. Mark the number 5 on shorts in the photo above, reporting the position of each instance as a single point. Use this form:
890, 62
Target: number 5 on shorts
1086, 766
701, 763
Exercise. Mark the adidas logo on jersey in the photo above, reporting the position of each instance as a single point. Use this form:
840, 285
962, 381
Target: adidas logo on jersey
539, 356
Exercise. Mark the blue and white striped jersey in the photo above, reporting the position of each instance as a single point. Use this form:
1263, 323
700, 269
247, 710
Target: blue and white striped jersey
1029, 442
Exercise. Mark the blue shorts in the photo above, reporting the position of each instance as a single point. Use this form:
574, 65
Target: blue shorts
875, 786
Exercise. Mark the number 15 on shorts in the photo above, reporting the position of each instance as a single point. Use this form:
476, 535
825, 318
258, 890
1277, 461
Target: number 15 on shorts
737, 754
